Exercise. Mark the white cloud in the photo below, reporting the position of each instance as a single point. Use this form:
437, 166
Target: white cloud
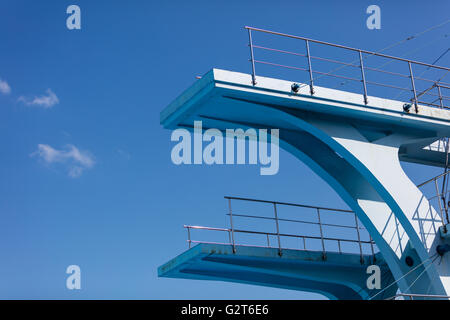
45, 101
76, 160
4, 87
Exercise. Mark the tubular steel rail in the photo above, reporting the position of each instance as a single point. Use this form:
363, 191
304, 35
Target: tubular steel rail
411, 296
441, 196
439, 98
232, 231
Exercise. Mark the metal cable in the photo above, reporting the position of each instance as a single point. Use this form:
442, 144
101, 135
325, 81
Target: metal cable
437, 81
408, 52
403, 276
424, 270
390, 46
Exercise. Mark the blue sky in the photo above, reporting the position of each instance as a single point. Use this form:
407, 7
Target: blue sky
85, 170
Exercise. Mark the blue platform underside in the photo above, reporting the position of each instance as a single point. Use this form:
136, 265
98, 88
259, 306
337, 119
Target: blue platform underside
337, 276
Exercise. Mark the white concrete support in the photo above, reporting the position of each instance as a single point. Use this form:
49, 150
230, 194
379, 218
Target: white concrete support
403, 210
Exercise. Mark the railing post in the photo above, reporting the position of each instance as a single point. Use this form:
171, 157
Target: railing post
268, 240
440, 96
278, 228
361, 63
359, 238
189, 236
231, 225
321, 234
438, 195
311, 83
374, 259
371, 245
444, 191
252, 58
413, 86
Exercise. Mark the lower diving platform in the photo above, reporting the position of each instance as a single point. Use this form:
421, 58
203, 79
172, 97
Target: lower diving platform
339, 276
287, 245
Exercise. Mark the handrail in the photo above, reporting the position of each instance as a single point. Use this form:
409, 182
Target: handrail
441, 83
412, 295
274, 234
294, 220
269, 234
440, 196
346, 47
361, 65
206, 228
287, 204
279, 234
433, 179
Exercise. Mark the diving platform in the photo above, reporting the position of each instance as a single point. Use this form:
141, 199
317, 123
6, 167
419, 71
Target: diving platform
354, 140
220, 93
294, 270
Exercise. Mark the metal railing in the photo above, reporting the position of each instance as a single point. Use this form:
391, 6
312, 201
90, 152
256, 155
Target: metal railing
411, 296
433, 88
278, 235
440, 145
440, 196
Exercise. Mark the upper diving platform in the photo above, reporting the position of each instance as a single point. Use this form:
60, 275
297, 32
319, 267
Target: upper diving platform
222, 96
370, 101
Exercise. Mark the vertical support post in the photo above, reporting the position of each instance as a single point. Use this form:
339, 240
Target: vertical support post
440, 96
278, 228
311, 83
444, 191
413, 86
189, 236
359, 238
231, 225
321, 234
399, 239
361, 64
304, 243
252, 57
438, 195
268, 241
339, 246
371, 246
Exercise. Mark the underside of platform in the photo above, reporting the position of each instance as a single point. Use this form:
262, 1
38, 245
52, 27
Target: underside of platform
338, 276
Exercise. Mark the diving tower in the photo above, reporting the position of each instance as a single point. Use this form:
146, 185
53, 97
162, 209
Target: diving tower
355, 142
